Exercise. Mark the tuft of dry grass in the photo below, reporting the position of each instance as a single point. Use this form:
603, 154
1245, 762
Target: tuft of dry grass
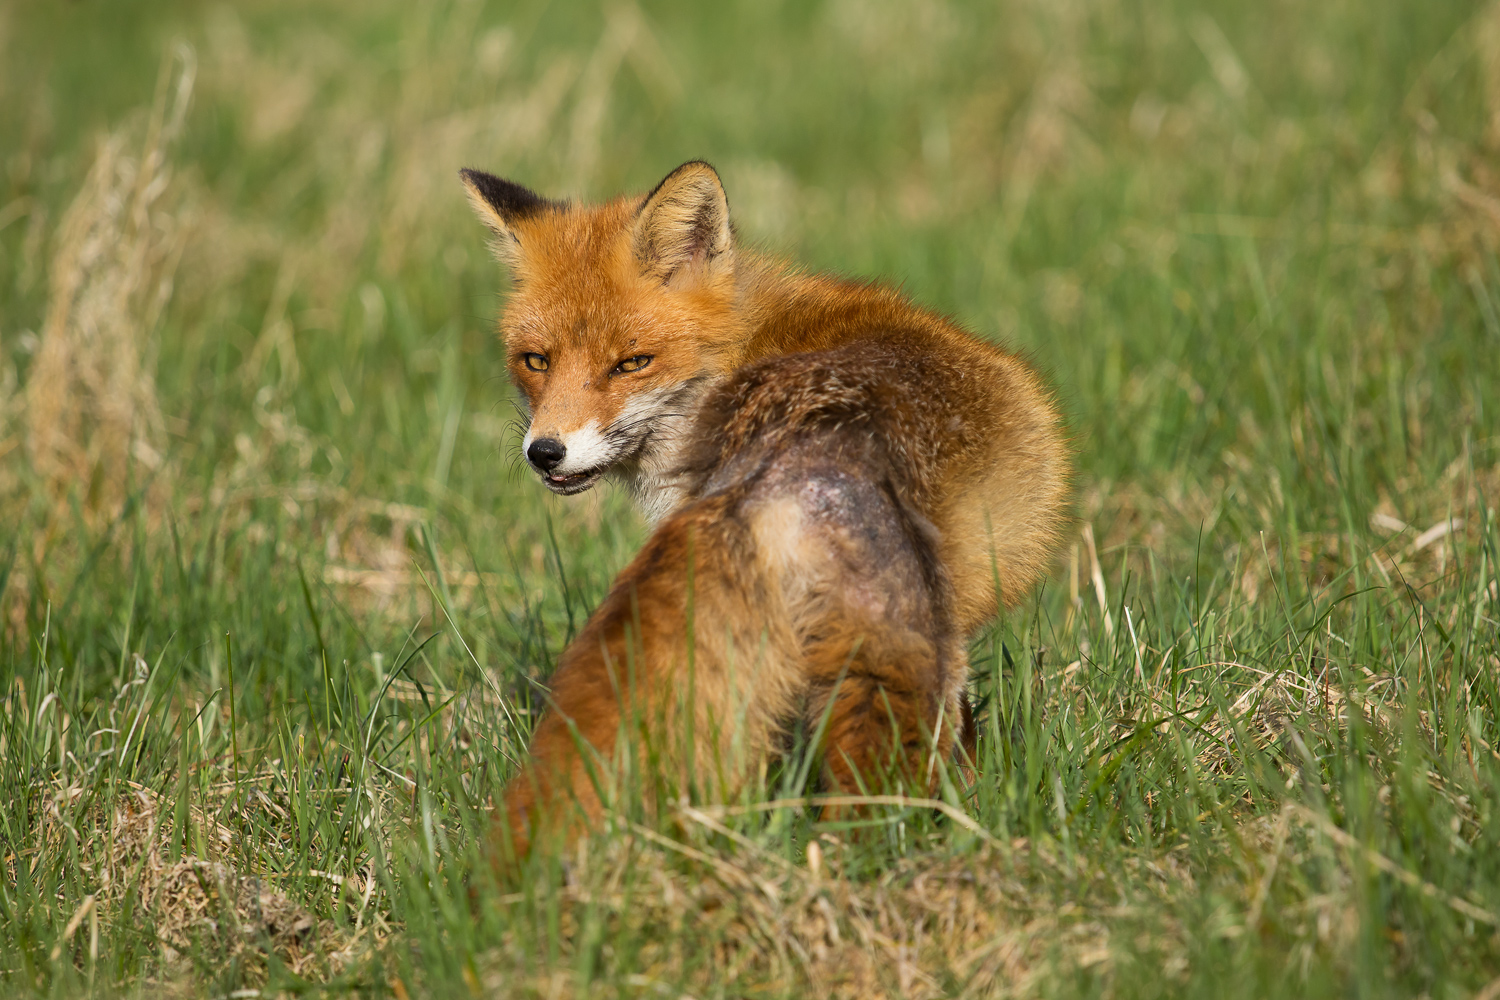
175, 871
91, 409
918, 930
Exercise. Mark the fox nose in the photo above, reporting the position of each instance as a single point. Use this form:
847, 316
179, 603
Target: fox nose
545, 453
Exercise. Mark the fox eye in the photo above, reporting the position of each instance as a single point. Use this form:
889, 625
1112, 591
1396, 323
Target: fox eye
634, 364
536, 362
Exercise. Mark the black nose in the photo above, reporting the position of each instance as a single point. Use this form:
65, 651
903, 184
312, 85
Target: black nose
545, 453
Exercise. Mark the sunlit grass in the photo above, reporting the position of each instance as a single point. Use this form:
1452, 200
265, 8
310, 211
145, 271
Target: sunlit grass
277, 597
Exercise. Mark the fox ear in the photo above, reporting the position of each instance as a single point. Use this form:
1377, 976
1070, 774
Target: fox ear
684, 223
500, 205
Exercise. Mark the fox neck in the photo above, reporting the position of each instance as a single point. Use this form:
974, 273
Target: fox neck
766, 290
652, 483
652, 476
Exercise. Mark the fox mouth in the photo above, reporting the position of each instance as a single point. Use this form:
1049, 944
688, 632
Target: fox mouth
568, 484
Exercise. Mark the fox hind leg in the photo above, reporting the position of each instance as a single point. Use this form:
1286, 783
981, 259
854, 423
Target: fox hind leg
882, 666
885, 716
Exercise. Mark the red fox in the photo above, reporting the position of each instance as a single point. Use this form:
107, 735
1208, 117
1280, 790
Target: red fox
844, 487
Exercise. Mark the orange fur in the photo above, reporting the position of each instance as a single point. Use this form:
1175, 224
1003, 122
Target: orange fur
857, 483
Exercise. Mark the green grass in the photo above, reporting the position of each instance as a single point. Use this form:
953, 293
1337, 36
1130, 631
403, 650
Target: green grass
263, 676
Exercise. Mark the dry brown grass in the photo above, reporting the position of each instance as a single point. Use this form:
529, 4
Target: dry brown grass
1005, 920
191, 894
921, 929
91, 412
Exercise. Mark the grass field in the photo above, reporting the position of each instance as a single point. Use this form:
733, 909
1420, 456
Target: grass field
275, 594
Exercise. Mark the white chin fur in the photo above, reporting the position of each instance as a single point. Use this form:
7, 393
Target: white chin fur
649, 476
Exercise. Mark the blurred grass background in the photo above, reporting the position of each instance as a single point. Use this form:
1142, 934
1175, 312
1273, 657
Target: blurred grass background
275, 592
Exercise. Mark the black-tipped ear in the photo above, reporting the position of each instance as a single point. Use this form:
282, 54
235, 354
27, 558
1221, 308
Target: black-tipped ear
500, 204
684, 223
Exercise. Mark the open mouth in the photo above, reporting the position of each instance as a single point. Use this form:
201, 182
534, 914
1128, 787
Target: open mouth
567, 485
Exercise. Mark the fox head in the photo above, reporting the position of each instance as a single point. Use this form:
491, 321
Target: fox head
620, 315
